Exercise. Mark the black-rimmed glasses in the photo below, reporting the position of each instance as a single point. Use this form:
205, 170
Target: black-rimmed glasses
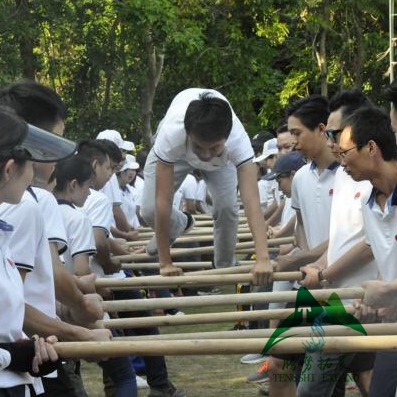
331, 134
344, 152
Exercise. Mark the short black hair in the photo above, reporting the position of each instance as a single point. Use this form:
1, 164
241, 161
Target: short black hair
13, 130
93, 150
311, 111
282, 128
208, 118
141, 157
75, 167
348, 101
372, 123
35, 103
260, 138
112, 149
390, 93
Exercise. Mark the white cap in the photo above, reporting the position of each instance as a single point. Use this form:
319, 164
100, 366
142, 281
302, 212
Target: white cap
269, 149
115, 137
130, 163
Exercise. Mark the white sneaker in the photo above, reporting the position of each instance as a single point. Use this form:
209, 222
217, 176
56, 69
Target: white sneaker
141, 383
253, 359
178, 313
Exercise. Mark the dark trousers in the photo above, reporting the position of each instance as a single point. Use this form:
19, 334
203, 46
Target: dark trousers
384, 375
156, 370
16, 391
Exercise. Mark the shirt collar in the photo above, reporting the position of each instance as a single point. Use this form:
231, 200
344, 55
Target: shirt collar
65, 202
30, 190
371, 199
334, 165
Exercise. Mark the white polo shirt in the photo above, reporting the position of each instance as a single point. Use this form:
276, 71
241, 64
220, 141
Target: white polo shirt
347, 228
30, 250
187, 191
98, 208
381, 232
112, 190
13, 307
312, 195
288, 212
137, 190
53, 221
173, 144
128, 206
80, 237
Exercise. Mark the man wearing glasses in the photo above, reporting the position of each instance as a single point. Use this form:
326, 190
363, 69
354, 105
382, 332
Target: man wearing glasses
370, 153
348, 260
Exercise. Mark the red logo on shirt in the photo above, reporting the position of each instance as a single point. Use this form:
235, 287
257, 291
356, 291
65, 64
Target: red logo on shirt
331, 192
12, 263
357, 195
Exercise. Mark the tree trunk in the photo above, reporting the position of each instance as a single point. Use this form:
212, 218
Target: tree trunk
359, 53
26, 41
155, 67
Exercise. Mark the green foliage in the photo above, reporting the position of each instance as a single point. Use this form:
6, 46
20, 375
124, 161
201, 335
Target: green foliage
259, 53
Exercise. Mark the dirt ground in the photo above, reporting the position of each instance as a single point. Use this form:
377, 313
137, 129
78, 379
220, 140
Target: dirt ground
209, 376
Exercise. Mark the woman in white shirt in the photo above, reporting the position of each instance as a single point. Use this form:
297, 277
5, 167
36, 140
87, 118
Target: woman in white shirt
20, 144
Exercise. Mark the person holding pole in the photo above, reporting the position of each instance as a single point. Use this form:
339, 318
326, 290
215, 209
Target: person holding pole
201, 131
369, 152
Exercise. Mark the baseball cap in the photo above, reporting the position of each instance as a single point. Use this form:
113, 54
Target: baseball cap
269, 149
285, 164
130, 163
40, 146
115, 137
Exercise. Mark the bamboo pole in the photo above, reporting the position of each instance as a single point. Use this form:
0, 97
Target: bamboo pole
223, 270
191, 280
205, 318
195, 238
329, 330
178, 252
225, 300
182, 265
333, 344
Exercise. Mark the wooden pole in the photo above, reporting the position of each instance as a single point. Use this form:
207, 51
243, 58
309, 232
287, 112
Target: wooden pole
196, 239
329, 330
182, 265
205, 318
178, 252
333, 344
225, 300
191, 280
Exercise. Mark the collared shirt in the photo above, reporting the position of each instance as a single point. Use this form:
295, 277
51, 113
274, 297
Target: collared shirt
347, 227
312, 195
381, 232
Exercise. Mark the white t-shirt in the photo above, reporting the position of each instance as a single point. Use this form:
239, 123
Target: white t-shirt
187, 191
381, 233
137, 190
312, 195
99, 210
53, 222
80, 237
128, 206
112, 190
288, 212
13, 309
173, 144
31, 251
346, 227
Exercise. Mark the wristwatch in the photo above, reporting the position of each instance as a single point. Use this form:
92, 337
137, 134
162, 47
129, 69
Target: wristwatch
321, 279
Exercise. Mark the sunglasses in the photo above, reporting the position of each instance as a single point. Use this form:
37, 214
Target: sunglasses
332, 134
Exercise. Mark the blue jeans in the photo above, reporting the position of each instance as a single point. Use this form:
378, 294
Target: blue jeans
122, 373
156, 369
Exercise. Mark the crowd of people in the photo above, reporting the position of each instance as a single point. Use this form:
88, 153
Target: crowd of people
326, 175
